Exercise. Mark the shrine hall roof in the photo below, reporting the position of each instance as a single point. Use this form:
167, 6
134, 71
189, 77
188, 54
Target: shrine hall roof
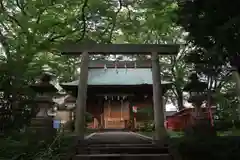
120, 76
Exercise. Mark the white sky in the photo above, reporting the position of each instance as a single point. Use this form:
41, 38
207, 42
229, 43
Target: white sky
171, 107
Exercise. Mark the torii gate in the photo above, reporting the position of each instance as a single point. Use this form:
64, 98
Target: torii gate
124, 49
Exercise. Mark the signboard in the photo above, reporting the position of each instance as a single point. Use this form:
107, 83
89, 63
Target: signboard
56, 124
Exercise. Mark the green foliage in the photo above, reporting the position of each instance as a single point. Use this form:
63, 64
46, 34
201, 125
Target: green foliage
26, 146
29, 31
212, 24
147, 127
220, 148
178, 72
226, 125
221, 125
212, 30
32, 31
227, 105
89, 117
146, 110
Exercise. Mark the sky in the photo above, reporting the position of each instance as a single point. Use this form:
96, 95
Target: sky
171, 107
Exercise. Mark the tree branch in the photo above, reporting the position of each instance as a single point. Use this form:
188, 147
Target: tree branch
12, 19
54, 38
21, 6
3, 41
85, 4
105, 31
224, 81
41, 11
2, 6
115, 20
129, 13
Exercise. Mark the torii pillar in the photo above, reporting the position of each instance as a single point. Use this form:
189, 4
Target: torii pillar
82, 97
124, 49
158, 102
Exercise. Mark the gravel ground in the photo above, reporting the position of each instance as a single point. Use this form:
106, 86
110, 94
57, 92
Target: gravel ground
117, 137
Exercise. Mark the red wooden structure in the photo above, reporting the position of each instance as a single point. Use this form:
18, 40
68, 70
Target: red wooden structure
184, 118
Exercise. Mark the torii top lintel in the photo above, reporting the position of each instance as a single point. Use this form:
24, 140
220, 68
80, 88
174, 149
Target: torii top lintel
77, 49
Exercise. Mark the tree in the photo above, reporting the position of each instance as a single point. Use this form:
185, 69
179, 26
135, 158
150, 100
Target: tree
150, 28
212, 25
212, 29
31, 32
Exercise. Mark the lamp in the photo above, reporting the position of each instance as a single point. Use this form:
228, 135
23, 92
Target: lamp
197, 91
43, 122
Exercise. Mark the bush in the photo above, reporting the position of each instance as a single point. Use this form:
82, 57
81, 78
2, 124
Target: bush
223, 125
219, 148
202, 143
147, 127
201, 129
237, 124
26, 146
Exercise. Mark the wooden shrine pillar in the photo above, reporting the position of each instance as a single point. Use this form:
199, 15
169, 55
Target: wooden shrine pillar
82, 97
160, 131
101, 112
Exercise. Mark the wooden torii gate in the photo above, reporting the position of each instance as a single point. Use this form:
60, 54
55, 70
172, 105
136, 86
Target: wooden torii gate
124, 49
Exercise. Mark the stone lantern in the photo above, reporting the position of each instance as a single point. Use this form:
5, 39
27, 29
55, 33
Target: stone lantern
198, 94
43, 123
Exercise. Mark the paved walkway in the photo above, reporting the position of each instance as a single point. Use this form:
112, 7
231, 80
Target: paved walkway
117, 137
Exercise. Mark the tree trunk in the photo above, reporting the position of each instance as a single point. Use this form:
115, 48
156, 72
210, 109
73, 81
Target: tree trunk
180, 99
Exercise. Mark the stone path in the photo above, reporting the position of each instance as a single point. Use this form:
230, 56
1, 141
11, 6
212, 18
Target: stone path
120, 145
118, 137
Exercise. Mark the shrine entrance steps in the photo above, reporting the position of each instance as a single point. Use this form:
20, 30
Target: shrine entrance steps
120, 145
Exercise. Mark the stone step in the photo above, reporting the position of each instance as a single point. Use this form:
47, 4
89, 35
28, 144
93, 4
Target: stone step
123, 145
123, 157
96, 141
120, 145
123, 150
147, 145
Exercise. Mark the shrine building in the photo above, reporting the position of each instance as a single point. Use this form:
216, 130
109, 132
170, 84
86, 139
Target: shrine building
114, 89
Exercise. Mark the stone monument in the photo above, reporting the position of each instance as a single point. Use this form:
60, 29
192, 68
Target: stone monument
42, 124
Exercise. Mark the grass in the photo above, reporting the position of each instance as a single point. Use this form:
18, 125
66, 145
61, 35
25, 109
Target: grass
172, 134
230, 132
72, 134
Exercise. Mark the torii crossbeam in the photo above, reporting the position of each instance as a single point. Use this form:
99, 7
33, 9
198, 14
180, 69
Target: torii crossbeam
125, 49
76, 49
